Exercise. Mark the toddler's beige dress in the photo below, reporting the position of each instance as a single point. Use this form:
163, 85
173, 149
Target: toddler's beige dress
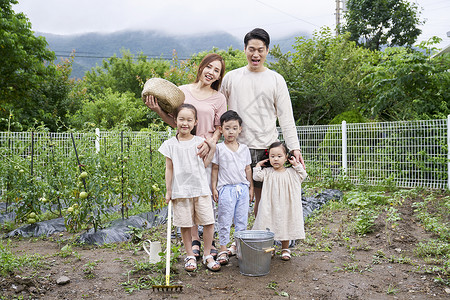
280, 207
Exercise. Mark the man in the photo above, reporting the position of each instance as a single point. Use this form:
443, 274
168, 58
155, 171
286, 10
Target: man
260, 96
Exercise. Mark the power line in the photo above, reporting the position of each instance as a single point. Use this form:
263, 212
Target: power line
152, 56
287, 14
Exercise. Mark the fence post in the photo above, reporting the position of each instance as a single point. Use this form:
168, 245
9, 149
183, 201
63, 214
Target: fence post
344, 147
448, 152
97, 140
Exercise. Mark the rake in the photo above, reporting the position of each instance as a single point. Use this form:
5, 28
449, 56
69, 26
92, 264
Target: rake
168, 287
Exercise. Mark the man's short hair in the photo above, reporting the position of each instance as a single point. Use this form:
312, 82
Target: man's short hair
257, 34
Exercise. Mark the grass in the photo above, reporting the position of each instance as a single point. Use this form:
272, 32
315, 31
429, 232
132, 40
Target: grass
365, 211
433, 248
365, 221
433, 212
402, 259
67, 251
362, 213
89, 268
392, 289
143, 275
313, 244
12, 264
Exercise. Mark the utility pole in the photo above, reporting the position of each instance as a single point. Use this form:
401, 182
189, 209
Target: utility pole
340, 10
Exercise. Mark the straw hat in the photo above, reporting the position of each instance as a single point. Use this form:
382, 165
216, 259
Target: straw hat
169, 95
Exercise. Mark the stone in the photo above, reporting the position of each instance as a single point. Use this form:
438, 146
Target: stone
20, 288
63, 280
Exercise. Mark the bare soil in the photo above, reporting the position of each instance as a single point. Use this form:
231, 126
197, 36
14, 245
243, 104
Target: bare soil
355, 268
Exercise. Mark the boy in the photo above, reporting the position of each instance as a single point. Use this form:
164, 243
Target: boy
231, 182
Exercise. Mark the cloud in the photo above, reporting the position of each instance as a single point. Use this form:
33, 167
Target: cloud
278, 17
178, 17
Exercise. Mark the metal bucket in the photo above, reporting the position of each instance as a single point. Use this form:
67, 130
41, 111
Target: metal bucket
253, 251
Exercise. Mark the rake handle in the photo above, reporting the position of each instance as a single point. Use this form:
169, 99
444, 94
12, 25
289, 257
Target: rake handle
169, 226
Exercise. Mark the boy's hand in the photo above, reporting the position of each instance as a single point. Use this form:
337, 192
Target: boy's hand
250, 191
260, 163
215, 195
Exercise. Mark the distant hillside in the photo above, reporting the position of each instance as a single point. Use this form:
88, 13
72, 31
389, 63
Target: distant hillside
91, 48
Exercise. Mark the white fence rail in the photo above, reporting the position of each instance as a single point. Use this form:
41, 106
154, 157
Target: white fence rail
408, 154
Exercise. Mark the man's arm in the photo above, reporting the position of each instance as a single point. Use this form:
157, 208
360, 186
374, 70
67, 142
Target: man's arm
285, 115
286, 120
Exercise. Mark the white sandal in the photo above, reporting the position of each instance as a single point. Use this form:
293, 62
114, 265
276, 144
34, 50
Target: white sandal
232, 249
222, 258
189, 266
211, 264
285, 254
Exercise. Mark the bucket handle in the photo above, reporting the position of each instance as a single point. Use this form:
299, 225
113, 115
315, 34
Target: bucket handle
258, 250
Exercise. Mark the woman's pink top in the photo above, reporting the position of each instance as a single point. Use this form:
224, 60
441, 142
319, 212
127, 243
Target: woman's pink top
209, 111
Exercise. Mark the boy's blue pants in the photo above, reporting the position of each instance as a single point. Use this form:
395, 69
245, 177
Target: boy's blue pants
233, 204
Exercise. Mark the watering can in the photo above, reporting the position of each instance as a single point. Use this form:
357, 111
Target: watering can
153, 249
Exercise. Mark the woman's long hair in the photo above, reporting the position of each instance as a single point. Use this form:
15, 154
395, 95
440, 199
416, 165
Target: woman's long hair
206, 61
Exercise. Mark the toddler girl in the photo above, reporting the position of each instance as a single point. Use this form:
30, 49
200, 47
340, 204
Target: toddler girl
187, 185
280, 208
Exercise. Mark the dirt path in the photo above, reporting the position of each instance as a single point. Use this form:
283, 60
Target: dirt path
380, 265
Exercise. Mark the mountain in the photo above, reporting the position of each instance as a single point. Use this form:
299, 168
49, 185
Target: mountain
91, 48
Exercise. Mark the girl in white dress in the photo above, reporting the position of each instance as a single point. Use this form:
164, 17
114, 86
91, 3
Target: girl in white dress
280, 209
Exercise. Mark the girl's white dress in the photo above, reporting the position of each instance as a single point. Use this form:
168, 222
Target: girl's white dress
280, 207
189, 178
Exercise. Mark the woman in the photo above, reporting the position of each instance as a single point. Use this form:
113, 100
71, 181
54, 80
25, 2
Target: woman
210, 104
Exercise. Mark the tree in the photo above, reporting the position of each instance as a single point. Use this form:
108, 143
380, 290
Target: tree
110, 109
408, 85
49, 103
32, 88
373, 23
124, 74
234, 58
121, 78
322, 76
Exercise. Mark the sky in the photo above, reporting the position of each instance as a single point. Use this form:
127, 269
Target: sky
279, 17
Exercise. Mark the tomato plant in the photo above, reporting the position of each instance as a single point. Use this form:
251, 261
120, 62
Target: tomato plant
54, 175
